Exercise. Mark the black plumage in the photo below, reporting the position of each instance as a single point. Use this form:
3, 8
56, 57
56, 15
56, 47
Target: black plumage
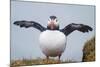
66, 30
28, 24
73, 26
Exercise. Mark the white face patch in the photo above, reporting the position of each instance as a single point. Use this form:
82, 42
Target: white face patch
55, 22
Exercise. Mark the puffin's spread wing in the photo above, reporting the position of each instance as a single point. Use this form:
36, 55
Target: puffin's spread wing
72, 27
28, 24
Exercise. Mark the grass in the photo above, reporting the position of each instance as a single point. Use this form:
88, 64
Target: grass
89, 50
29, 62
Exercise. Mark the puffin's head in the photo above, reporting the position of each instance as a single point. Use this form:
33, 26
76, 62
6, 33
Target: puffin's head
53, 23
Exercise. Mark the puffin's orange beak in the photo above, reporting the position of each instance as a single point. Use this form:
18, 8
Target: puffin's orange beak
52, 25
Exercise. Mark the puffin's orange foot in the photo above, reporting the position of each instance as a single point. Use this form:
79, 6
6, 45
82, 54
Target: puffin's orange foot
47, 60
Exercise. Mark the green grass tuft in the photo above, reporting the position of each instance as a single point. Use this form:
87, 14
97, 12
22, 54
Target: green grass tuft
89, 50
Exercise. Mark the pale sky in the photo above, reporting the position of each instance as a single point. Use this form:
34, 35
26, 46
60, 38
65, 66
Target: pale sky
25, 42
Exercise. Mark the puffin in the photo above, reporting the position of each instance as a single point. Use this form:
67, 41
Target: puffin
52, 39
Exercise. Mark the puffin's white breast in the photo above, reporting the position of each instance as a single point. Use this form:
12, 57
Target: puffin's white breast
52, 43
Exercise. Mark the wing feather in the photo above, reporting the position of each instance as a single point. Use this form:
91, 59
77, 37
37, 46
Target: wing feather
28, 24
73, 26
